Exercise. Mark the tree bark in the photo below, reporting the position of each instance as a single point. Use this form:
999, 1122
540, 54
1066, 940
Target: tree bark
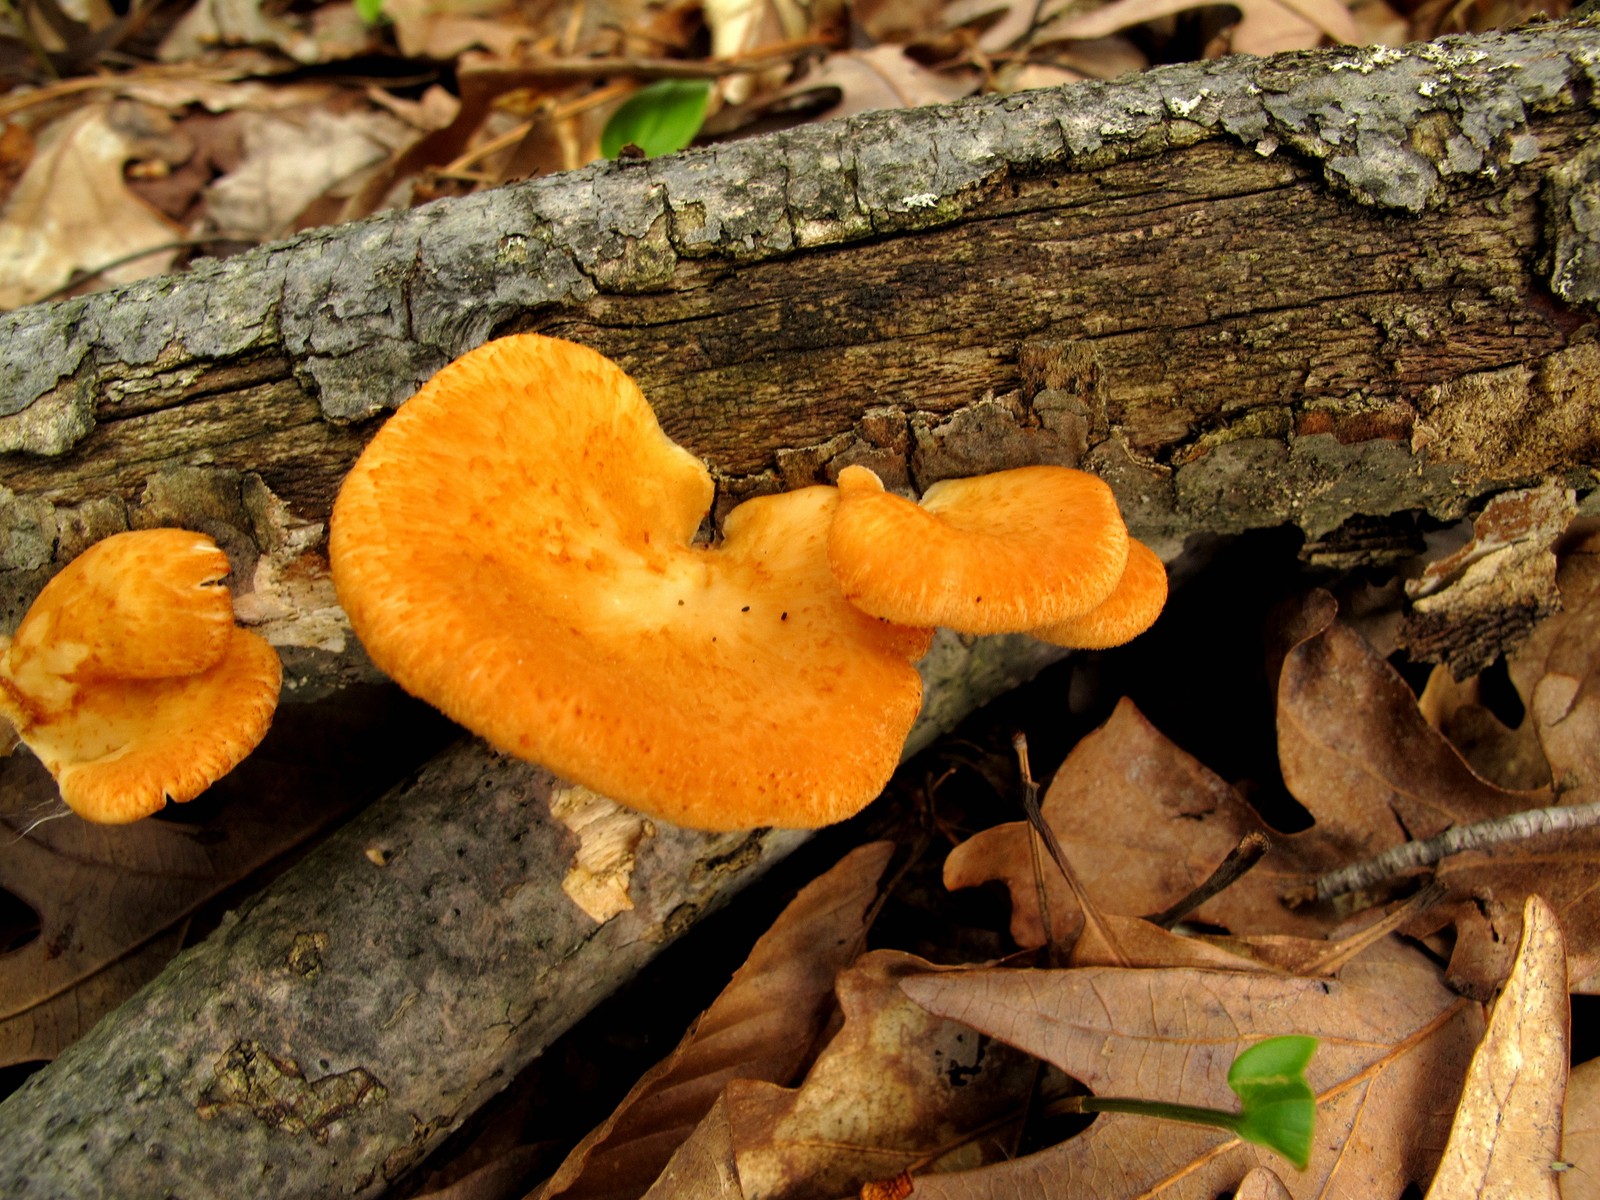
1307, 290
1248, 292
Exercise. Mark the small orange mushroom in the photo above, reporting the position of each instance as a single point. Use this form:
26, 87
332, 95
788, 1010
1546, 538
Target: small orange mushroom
1131, 608
999, 553
129, 679
515, 546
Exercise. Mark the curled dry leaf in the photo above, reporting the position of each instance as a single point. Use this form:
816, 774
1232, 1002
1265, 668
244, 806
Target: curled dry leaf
1558, 673
1394, 1048
761, 1027
292, 159
883, 77
896, 1087
1352, 741
1142, 823
1507, 1130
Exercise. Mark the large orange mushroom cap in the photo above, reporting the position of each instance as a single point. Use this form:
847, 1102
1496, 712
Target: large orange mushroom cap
130, 681
999, 553
515, 547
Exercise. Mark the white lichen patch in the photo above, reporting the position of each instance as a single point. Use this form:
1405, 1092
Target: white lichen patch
608, 843
1183, 108
920, 200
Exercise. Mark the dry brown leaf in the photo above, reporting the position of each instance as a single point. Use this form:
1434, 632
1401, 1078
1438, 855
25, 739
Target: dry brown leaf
1356, 751
882, 77
1262, 1184
1558, 673
71, 211
1265, 26
442, 29
1143, 824
1509, 758
325, 34
703, 1167
1580, 1143
1394, 1049
896, 1087
1507, 1130
291, 160
111, 899
761, 1027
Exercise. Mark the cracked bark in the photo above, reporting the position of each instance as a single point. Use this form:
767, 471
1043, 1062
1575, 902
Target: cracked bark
1315, 290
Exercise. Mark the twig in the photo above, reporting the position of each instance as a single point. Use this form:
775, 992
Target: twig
1240, 859
1030, 803
1516, 827
1341, 952
82, 276
642, 67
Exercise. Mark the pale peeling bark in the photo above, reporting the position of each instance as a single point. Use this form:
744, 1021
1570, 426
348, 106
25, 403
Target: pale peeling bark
1306, 290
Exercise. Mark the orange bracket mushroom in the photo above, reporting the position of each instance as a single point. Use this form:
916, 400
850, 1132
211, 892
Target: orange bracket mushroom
516, 546
1039, 550
129, 679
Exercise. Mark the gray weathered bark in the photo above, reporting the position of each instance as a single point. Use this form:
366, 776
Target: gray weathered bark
1296, 290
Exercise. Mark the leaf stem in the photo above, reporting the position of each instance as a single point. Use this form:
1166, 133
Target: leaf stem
1190, 1114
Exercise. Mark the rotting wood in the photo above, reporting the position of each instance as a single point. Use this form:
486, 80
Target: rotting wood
1316, 290
333, 1030
1310, 290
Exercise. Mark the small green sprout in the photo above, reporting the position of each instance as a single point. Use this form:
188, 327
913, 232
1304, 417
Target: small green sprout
371, 11
659, 118
1277, 1108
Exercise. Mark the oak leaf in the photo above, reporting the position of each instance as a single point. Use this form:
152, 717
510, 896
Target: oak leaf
761, 1027
1507, 1130
1395, 1047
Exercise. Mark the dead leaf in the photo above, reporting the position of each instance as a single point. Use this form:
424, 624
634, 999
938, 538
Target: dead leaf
882, 77
703, 1167
1580, 1144
1558, 673
897, 1087
442, 29
1507, 1130
1509, 758
760, 1028
1143, 824
111, 900
1265, 26
741, 26
1261, 1184
1394, 1049
327, 33
71, 211
1356, 751
291, 160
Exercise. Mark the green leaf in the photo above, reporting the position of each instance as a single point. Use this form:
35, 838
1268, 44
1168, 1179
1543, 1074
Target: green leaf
371, 11
659, 118
1277, 1108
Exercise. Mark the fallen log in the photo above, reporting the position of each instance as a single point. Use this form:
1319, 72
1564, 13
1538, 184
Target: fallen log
1315, 290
